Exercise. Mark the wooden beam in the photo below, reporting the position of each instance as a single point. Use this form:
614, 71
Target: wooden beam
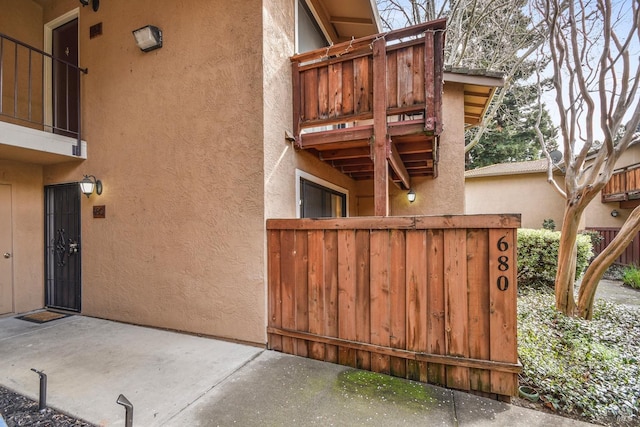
398, 167
349, 20
350, 153
429, 83
297, 100
468, 362
381, 141
365, 42
337, 135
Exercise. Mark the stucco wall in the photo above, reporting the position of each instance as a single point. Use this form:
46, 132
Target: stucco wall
27, 225
176, 137
529, 195
281, 157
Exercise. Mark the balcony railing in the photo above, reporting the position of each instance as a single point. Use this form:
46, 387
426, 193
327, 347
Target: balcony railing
385, 86
623, 186
26, 73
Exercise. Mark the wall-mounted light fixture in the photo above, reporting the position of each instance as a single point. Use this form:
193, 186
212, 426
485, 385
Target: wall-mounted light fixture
615, 213
411, 195
88, 183
95, 4
148, 38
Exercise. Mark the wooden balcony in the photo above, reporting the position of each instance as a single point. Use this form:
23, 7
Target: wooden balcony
373, 105
623, 187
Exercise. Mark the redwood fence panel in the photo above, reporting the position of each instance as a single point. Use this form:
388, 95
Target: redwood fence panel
630, 256
431, 299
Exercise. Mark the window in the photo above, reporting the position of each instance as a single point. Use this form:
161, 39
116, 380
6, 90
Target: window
309, 36
319, 198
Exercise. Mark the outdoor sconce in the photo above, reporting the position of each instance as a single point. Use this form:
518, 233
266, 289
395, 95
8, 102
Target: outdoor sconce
411, 195
615, 213
148, 38
88, 184
95, 4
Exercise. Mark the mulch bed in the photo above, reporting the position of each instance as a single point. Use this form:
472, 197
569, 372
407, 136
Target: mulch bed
18, 410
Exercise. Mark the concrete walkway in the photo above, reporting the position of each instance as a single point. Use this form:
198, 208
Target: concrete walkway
175, 379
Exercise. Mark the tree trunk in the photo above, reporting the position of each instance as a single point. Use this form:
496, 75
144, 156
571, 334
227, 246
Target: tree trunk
567, 252
599, 265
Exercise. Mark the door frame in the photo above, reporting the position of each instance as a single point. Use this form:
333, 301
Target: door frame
48, 74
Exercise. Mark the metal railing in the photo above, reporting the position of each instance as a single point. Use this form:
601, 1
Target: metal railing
26, 74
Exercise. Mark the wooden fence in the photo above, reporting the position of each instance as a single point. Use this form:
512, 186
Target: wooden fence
630, 256
431, 299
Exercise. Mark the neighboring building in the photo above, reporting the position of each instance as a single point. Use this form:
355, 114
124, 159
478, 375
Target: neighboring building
522, 187
196, 146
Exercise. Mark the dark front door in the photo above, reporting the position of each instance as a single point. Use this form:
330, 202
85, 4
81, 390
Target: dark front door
62, 237
65, 79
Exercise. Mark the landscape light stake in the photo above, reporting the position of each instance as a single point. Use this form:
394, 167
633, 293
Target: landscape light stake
128, 410
42, 404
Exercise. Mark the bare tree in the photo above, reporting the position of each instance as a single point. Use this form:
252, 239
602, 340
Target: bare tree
483, 34
596, 79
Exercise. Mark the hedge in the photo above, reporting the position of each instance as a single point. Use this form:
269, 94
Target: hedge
538, 256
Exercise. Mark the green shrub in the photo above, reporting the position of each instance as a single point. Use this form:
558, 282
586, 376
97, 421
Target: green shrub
538, 256
631, 276
549, 224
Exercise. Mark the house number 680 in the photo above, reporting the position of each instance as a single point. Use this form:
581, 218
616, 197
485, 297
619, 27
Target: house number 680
503, 264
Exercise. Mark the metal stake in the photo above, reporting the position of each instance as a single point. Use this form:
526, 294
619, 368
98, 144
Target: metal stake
128, 410
42, 404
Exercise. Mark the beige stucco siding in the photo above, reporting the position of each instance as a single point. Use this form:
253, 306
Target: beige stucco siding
27, 228
176, 136
527, 194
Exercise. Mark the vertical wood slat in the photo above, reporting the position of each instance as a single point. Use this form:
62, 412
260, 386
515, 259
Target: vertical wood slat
419, 75
310, 87
392, 79
331, 292
323, 93
397, 303
438, 79
478, 277
416, 300
434, 291
298, 100
316, 291
287, 268
362, 301
436, 310
275, 290
348, 87
429, 87
405, 77
335, 90
380, 298
362, 85
301, 292
347, 294
456, 305
503, 316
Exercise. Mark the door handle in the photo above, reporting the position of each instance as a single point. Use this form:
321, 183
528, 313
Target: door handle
7, 255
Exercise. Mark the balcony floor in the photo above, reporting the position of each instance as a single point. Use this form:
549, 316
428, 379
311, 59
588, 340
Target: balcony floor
28, 145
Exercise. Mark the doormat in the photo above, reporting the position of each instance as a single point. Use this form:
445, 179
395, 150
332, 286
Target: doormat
43, 316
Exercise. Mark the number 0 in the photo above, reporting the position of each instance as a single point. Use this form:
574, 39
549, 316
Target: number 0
503, 283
